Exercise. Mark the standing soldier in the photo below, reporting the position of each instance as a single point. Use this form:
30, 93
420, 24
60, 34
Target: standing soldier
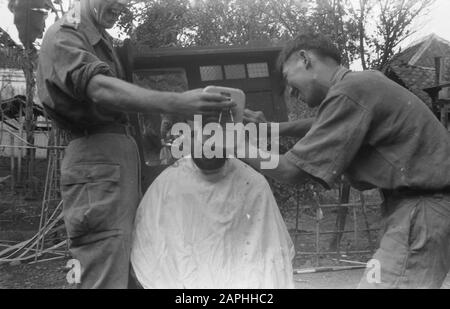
79, 83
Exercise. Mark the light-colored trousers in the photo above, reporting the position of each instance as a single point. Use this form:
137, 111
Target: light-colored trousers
100, 182
414, 251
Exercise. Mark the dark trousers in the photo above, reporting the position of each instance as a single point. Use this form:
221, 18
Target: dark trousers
415, 247
101, 192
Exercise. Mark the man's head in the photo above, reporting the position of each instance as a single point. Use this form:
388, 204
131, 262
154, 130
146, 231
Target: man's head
308, 63
107, 12
204, 163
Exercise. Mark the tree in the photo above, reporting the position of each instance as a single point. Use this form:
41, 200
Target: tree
390, 22
332, 18
293, 15
360, 16
233, 22
201, 22
370, 30
155, 23
29, 18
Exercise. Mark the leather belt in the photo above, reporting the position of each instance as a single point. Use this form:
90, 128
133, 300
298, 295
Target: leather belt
107, 129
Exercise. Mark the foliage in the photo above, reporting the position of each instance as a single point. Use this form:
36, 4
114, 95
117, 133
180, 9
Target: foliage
370, 30
29, 18
201, 22
383, 25
156, 23
395, 20
233, 22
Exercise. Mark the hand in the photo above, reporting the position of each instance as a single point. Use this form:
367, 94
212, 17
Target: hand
254, 117
197, 102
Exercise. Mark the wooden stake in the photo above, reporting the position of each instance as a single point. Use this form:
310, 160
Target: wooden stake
13, 159
355, 228
326, 269
318, 235
366, 221
19, 158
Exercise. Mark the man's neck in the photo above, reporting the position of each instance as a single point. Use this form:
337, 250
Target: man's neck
325, 72
338, 74
89, 15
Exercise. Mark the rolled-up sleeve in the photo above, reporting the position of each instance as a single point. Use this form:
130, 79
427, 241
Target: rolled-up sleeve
74, 65
334, 139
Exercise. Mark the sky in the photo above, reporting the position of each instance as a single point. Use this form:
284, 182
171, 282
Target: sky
437, 21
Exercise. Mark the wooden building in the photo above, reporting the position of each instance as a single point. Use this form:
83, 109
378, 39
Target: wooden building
251, 69
415, 67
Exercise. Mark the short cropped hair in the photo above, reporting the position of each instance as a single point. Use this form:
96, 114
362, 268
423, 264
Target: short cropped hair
315, 42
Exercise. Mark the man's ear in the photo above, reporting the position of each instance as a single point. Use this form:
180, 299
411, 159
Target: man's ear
305, 57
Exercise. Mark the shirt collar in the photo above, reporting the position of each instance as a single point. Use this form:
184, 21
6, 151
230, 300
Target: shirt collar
93, 33
339, 75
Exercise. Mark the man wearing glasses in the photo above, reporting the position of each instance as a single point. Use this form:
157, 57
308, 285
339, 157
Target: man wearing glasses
79, 83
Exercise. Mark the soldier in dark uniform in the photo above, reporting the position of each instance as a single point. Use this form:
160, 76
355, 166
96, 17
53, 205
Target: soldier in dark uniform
79, 83
379, 135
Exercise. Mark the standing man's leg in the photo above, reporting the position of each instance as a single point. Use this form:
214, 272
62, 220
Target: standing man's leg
100, 188
415, 248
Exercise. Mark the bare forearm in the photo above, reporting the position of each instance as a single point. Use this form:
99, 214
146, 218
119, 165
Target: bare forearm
298, 128
120, 95
283, 171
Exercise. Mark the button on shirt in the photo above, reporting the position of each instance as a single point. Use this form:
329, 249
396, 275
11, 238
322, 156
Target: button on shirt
71, 54
378, 134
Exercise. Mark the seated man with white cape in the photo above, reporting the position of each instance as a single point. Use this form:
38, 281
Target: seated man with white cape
214, 224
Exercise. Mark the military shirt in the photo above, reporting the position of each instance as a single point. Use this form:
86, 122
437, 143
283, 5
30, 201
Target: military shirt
378, 134
71, 54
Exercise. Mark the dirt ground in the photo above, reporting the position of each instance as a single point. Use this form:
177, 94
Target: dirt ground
46, 275
52, 275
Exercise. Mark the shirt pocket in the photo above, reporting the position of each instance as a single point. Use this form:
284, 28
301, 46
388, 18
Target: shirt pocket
91, 195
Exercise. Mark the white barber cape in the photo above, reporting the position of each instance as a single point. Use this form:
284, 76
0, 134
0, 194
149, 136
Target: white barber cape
222, 230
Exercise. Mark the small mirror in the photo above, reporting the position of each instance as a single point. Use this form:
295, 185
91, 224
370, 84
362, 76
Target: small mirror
156, 139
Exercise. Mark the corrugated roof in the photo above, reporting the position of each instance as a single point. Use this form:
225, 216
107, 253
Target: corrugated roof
415, 65
414, 76
406, 55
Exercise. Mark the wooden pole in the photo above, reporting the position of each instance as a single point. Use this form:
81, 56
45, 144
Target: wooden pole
355, 228
326, 269
366, 220
19, 158
297, 217
13, 159
318, 218
341, 217
438, 79
29, 115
